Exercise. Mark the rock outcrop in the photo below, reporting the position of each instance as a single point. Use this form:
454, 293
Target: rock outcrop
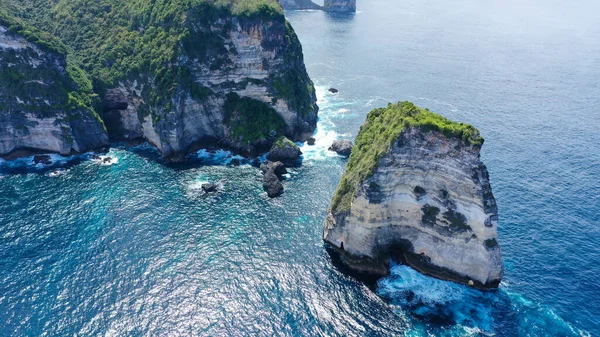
284, 150
277, 167
45, 102
340, 6
416, 191
209, 187
299, 4
342, 147
272, 185
228, 74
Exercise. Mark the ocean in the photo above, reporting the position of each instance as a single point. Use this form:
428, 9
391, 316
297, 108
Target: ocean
134, 248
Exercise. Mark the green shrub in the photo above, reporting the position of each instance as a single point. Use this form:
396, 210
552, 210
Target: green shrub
250, 120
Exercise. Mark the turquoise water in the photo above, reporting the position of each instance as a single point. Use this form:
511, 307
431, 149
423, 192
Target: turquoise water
135, 249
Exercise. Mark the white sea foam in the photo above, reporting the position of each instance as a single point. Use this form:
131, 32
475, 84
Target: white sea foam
325, 134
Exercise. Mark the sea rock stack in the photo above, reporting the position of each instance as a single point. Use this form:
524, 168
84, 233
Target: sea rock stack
340, 6
284, 150
416, 191
298, 4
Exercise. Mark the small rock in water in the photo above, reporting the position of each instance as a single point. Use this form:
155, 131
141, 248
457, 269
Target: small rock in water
277, 167
107, 160
342, 147
272, 185
208, 187
42, 159
310, 141
333, 90
284, 150
235, 162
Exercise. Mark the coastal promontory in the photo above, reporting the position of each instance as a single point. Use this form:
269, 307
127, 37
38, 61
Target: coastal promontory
180, 75
415, 191
46, 101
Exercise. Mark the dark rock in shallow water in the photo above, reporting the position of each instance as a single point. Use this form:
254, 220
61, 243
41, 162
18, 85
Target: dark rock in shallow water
277, 167
107, 160
333, 90
208, 187
284, 150
310, 141
235, 162
342, 147
271, 184
42, 159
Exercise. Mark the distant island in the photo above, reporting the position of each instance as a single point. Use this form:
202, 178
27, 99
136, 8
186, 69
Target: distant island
337, 6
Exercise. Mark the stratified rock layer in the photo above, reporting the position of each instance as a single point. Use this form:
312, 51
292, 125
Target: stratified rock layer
298, 4
227, 74
42, 109
261, 68
427, 202
341, 6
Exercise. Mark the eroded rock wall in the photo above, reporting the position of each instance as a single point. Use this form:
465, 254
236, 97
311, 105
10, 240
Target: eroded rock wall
38, 108
257, 59
429, 203
342, 6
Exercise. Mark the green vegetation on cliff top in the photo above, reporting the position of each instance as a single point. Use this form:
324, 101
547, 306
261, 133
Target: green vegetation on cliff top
113, 40
377, 135
75, 90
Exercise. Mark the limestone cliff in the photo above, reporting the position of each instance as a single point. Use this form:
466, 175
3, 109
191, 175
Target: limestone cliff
243, 95
45, 102
341, 6
416, 191
185, 74
299, 4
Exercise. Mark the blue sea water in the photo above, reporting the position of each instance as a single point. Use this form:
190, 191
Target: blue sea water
135, 249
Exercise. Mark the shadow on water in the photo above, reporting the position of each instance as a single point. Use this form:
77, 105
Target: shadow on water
440, 306
370, 280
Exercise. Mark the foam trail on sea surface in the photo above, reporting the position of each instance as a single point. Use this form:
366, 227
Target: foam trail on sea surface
330, 107
464, 311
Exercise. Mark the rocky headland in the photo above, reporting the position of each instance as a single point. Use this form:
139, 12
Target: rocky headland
416, 191
46, 101
179, 75
340, 6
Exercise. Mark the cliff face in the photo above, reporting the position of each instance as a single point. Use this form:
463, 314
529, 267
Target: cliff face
242, 94
345, 6
425, 201
186, 74
44, 102
298, 4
